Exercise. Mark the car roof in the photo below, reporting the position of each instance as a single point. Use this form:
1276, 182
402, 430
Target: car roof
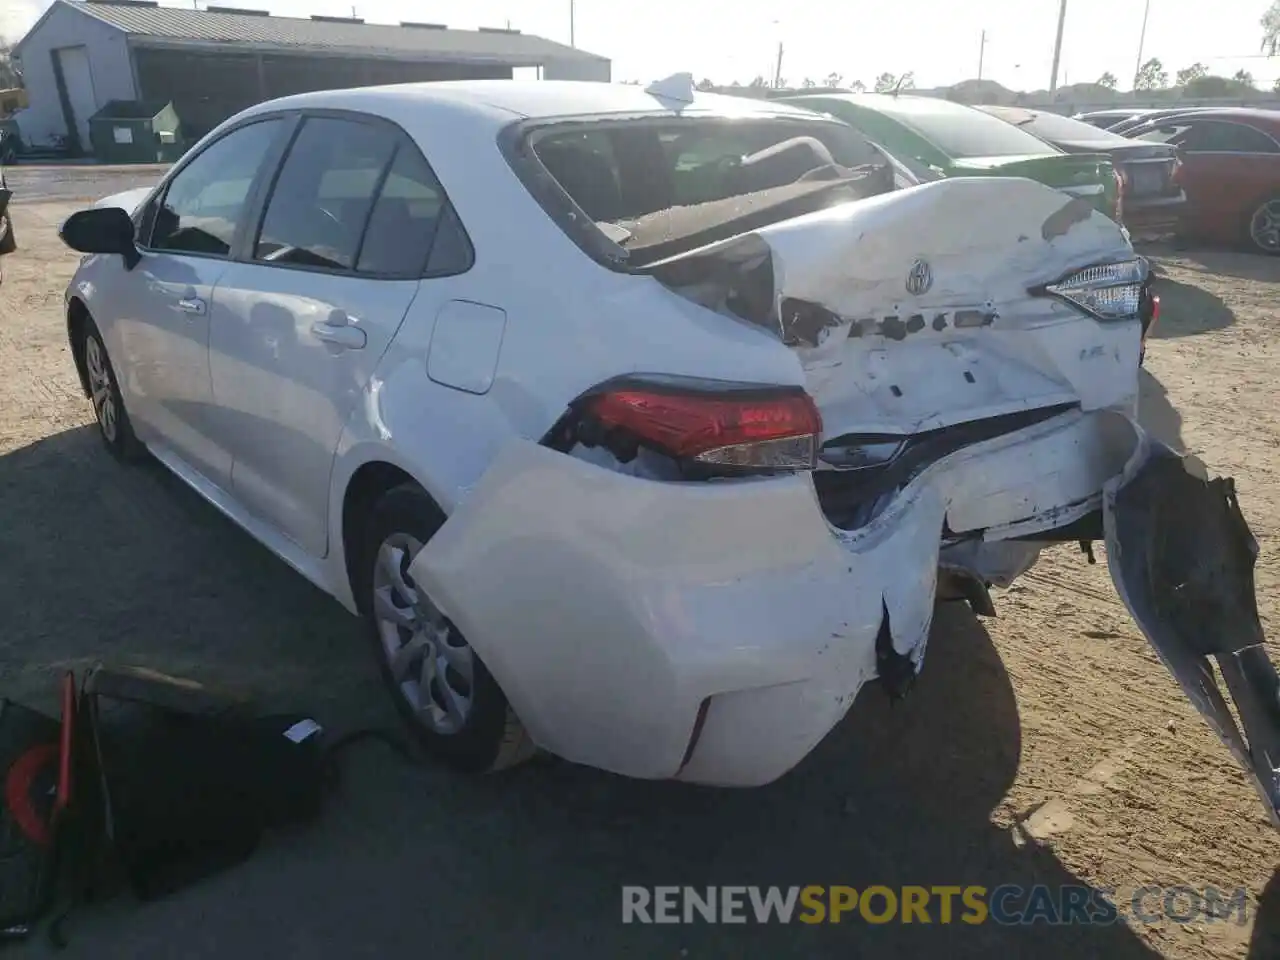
507, 100
1267, 117
905, 106
1116, 112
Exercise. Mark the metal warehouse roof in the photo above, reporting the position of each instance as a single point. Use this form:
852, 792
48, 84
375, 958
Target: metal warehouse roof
232, 25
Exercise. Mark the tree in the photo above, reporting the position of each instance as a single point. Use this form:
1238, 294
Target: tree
1271, 29
758, 81
1187, 75
705, 84
857, 86
1107, 80
888, 83
833, 80
10, 75
1151, 76
1244, 77
808, 84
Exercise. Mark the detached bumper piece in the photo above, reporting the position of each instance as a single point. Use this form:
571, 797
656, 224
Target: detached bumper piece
1182, 558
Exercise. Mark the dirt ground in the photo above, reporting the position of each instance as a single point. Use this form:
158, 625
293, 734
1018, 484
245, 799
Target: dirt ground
1045, 746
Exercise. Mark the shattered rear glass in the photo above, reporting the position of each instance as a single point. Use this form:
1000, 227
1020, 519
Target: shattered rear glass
657, 187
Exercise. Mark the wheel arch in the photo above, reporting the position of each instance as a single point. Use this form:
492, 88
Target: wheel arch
368, 483
78, 317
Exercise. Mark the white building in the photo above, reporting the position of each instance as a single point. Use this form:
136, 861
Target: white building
212, 63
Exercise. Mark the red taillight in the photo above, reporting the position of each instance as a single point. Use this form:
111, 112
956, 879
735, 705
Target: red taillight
1175, 175
756, 431
1155, 315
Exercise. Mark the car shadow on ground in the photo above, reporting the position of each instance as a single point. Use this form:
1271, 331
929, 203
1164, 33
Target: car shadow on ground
1265, 942
1187, 310
1240, 263
127, 565
1157, 413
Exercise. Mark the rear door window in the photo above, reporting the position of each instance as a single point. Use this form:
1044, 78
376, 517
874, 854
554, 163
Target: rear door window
408, 219
324, 194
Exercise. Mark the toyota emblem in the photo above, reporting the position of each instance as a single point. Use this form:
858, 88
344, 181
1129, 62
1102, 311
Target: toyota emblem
919, 278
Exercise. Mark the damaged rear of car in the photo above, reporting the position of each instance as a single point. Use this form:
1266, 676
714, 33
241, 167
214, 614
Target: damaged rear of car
935, 382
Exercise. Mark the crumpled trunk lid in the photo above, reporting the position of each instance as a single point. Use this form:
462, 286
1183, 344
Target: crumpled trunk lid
912, 310
1182, 558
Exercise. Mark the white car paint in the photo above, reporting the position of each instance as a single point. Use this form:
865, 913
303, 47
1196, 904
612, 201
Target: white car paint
610, 607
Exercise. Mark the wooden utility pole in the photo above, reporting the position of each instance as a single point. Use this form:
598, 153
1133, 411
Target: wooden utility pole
1057, 45
982, 49
777, 69
571, 36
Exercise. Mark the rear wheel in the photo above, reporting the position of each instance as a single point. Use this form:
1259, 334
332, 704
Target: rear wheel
1264, 227
440, 686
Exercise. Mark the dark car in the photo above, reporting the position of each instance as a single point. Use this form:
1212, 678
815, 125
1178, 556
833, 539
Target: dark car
1106, 119
1230, 171
1124, 126
1152, 200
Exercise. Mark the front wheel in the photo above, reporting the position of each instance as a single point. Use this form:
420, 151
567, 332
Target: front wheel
108, 403
440, 686
1264, 227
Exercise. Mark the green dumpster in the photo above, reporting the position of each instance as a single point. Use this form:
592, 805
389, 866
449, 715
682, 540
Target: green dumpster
136, 131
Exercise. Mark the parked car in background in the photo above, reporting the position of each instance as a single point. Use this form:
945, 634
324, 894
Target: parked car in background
955, 140
1104, 119
637, 423
1147, 116
1151, 198
1230, 172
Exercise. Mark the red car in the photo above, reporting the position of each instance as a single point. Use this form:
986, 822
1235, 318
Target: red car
1230, 172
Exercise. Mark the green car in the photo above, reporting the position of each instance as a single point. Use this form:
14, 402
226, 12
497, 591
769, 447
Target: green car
948, 139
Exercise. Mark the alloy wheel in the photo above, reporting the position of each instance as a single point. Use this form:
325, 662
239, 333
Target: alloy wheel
1264, 226
101, 389
428, 659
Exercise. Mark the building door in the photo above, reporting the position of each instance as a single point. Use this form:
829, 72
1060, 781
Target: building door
82, 101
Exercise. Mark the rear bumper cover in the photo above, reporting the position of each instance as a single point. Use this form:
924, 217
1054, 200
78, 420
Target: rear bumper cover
716, 632
1158, 217
1182, 556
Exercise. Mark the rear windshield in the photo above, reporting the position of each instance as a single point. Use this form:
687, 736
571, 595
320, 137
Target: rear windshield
658, 186
960, 131
1054, 127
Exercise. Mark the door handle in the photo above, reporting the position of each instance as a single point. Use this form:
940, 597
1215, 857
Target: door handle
192, 305
341, 335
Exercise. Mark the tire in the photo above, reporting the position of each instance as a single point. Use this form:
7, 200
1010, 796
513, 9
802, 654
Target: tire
481, 733
1262, 229
114, 426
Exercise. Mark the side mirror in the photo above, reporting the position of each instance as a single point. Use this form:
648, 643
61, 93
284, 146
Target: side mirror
102, 230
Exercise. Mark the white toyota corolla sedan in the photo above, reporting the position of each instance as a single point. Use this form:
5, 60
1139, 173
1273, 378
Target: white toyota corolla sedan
646, 426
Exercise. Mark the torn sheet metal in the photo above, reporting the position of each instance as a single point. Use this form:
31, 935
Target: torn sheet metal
1182, 557
906, 318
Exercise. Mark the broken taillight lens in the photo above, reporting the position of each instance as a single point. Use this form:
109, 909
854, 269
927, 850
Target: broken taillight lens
756, 431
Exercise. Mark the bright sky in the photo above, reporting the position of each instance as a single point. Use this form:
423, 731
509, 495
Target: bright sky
938, 40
